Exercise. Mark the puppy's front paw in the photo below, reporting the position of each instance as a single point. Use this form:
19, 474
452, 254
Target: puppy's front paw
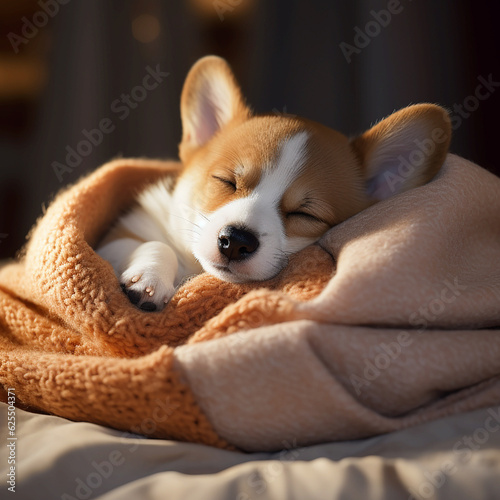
145, 289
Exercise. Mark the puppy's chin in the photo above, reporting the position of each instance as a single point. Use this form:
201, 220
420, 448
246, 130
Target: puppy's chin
224, 273
245, 271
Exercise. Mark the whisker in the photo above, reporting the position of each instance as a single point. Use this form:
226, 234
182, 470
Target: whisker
185, 219
197, 212
279, 261
191, 231
201, 214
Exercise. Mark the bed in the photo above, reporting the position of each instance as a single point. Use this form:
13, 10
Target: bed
369, 368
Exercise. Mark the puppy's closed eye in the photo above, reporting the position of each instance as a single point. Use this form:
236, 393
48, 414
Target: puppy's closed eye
306, 215
228, 182
272, 184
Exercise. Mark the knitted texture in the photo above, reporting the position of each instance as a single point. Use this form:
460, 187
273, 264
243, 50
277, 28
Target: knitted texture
229, 364
65, 323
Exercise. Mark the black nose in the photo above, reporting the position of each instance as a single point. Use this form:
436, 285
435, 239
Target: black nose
236, 244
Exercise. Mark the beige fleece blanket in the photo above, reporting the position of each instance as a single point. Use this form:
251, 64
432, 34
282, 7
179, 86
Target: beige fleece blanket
400, 331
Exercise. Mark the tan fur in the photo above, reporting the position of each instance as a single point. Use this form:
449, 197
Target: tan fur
333, 173
435, 118
227, 151
336, 168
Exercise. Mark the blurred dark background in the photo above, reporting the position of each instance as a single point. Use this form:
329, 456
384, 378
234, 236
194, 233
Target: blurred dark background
67, 65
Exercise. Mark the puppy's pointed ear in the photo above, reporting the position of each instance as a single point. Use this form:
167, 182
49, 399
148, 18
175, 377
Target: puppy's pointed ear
403, 151
211, 98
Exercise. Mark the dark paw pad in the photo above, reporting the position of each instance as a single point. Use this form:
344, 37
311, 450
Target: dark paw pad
148, 306
134, 296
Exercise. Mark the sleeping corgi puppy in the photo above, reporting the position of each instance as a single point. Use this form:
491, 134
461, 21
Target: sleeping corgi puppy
256, 188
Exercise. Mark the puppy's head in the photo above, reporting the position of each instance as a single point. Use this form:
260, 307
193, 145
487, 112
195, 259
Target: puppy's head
263, 187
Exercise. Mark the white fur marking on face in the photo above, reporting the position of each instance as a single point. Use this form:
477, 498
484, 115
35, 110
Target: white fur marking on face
258, 213
290, 162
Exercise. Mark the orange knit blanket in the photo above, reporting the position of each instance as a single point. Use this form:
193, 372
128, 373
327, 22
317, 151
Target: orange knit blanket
380, 326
